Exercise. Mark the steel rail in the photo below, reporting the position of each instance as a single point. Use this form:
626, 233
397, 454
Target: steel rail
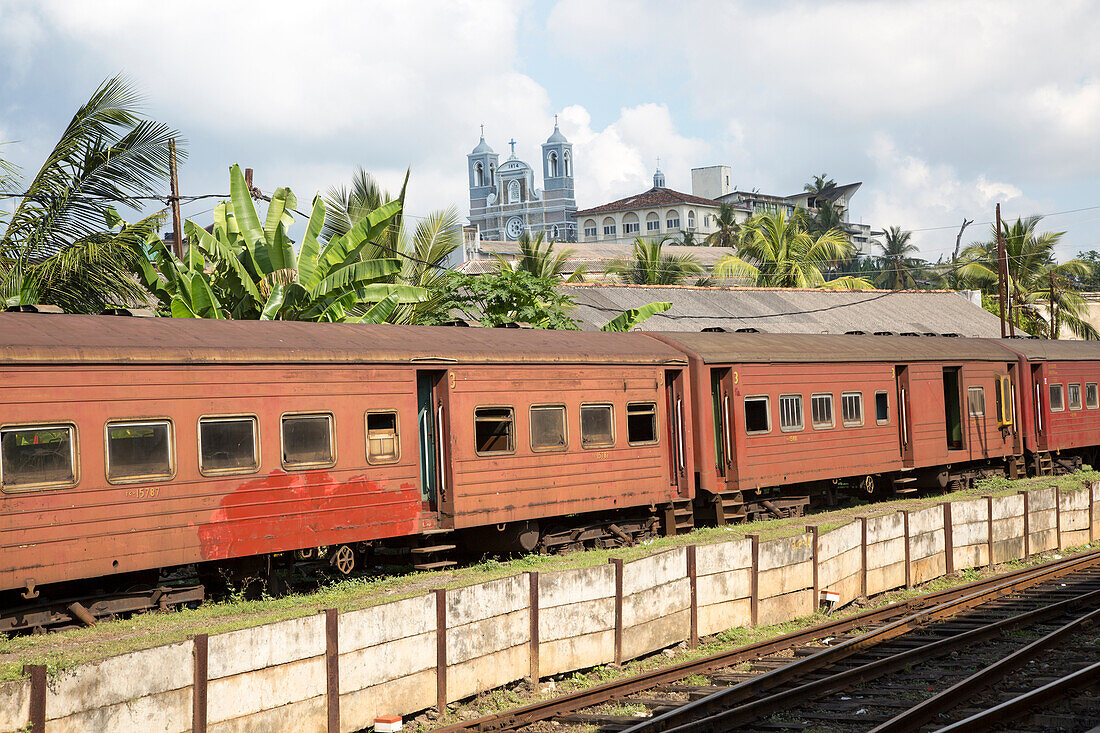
1027, 703
618, 689
722, 707
916, 716
782, 700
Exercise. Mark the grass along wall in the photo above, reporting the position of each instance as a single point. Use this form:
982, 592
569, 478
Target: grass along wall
337, 672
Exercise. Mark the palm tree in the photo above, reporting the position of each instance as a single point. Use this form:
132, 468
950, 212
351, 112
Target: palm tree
650, 266
59, 246
727, 228
778, 251
1032, 272
542, 261
820, 185
345, 207
896, 264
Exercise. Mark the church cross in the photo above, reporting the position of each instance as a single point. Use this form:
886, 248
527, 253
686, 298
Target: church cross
658, 162
512, 142
555, 120
483, 130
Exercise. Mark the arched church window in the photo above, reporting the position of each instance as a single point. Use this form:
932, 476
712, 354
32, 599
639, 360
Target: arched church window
554, 232
568, 160
608, 227
552, 164
631, 224
492, 172
652, 222
691, 219
590, 228
672, 220
513, 192
479, 175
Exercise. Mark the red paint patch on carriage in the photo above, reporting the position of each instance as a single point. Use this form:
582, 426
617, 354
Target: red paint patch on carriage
287, 511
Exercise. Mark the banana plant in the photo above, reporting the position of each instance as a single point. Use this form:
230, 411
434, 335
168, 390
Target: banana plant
248, 269
630, 319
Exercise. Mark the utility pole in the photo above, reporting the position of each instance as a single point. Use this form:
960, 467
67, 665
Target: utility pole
177, 226
1001, 274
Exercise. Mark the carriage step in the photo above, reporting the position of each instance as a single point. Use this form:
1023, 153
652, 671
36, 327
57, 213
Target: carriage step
435, 565
430, 549
689, 525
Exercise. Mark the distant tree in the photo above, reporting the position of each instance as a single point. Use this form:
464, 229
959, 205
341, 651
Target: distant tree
687, 239
64, 243
1032, 269
249, 269
506, 296
898, 266
346, 206
777, 251
539, 258
726, 227
1091, 279
649, 265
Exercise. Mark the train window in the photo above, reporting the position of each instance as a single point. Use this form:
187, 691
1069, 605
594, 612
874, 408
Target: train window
548, 427
137, 451
757, 415
597, 426
227, 445
641, 423
1056, 401
821, 411
37, 456
790, 412
382, 442
882, 408
1092, 401
494, 430
307, 441
851, 405
1073, 392
975, 401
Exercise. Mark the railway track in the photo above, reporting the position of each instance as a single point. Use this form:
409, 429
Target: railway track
1011, 648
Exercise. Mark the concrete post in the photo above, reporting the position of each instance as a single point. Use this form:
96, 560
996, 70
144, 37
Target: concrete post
948, 540
693, 590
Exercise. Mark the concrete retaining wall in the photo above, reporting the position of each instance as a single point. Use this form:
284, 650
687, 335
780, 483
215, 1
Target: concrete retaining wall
576, 619
840, 562
303, 674
885, 552
724, 585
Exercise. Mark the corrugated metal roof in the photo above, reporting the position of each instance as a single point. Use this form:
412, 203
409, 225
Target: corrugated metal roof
611, 252
1055, 350
770, 348
39, 338
780, 310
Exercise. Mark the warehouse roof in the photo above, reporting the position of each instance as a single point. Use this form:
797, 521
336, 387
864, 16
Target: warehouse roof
770, 348
787, 310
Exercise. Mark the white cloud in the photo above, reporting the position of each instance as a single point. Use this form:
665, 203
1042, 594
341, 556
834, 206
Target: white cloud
915, 194
619, 160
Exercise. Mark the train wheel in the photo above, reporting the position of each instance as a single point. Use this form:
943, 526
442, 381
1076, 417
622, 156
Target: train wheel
343, 560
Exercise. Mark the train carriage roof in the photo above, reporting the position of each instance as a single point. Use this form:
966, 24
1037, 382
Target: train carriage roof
49, 338
1041, 350
747, 348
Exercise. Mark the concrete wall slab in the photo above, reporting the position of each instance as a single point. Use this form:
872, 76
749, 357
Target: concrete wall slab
662, 600
488, 671
784, 580
778, 609
578, 652
489, 635
120, 679
15, 704
245, 694
169, 712
925, 520
722, 587
885, 527
265, 646
656, 634
654, 571
399, 696
485, 600
719, 617
587, 617
387, 622
723, 556
1042, 499
378, 664
575, 586
1005, 507
307, 716
838, 541
787, 551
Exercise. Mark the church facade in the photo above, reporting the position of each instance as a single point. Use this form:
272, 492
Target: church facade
504, 200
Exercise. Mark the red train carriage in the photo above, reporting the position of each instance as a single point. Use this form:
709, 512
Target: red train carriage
1060, 419
785, 416
130, 444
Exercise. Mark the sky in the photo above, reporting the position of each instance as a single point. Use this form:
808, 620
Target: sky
940, 108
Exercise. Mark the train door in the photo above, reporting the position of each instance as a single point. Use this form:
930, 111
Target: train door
723, 426
905, 425
952, 407
1039, 407
431, 424
677, 447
